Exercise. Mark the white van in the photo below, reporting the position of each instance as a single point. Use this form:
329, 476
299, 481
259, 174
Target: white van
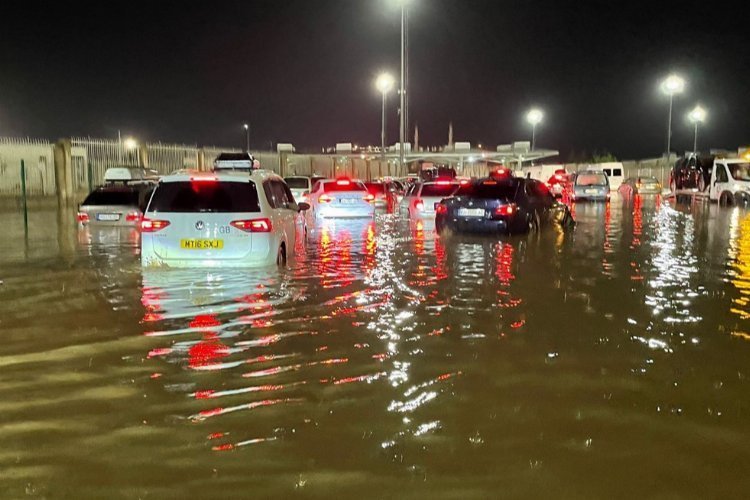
614, 171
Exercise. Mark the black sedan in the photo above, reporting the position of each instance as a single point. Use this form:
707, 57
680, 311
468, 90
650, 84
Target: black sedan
500, 205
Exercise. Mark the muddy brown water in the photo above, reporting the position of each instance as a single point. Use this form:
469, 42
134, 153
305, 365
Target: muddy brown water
610, 361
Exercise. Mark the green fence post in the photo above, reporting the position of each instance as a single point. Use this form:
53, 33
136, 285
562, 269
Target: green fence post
90, 173
23, 196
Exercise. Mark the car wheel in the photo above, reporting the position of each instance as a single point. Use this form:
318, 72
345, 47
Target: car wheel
726, 199
534, 223
742, 199
281, 256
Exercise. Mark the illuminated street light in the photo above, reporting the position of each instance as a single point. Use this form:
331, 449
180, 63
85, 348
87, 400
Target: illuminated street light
697, 115
247, 136
671, 85
384, 84
534, 117
129, 144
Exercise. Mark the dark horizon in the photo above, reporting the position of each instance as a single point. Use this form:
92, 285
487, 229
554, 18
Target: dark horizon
303, 72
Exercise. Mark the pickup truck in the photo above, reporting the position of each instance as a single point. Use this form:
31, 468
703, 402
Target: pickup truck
724, 180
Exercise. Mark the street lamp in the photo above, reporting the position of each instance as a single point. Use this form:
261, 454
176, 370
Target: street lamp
129, 144
534, 117
384, 84
697, 115
671, 85
247, 135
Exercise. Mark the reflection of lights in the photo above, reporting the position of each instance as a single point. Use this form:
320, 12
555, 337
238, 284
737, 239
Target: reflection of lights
740, 234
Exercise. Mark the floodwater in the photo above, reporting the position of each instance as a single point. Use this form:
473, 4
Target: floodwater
609, 361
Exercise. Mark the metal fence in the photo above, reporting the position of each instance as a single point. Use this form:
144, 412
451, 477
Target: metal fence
39, 162
100, 154
166, 158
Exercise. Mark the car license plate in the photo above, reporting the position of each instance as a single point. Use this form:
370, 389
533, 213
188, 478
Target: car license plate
591, 191
347, 201
199, 244
108, 217
471, 212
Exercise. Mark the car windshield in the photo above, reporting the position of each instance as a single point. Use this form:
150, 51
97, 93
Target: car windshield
489, 190
591, 180
190, 197
438, 190
128, 198
740, 171
343, 186
297, 182
375, 187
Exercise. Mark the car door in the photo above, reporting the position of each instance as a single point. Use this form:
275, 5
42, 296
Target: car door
287, 212
719, 181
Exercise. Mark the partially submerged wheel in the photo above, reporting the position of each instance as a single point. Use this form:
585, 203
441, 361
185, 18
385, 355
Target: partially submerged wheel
534, 223
281, 256
726, 199
742, 199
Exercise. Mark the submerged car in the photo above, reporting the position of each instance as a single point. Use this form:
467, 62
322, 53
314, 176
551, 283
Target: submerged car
510, 205
204, 219
640, 185
421, 199
590, 185
341, 198
115, 205
301, 185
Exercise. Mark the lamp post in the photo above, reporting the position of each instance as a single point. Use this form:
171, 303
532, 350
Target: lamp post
534, 117
671, 85
384, 84
247, 136
697, 115
402, 88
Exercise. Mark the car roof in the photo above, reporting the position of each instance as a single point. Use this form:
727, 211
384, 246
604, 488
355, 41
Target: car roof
221, 176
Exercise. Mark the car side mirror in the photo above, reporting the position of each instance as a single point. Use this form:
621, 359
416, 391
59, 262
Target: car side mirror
302, 206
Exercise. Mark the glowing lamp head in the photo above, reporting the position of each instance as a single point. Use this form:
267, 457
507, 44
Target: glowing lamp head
697, 115
129, 144
673, 84
384, 82
535, 116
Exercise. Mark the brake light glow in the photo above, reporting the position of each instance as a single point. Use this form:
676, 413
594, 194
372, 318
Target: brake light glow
558, 177
369, 197
506, 210
343, 182
501, 171
489, 183
204, 179
253, 225
419, 205
441, 209
133, 217
83, 217
324, 198
443, 183
464, 182
153, 225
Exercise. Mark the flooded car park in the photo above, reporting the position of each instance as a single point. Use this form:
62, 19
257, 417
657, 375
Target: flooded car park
384, 361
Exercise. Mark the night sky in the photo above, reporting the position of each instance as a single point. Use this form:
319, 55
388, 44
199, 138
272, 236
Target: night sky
302, 71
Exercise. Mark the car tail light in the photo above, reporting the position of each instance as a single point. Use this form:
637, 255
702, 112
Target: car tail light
443, 183
253, 225
343, 182
83, 217
324, 198
441, 209
133, 217
506, 210
153, 225
558, 177
419, 205
464, 182
369, 198
204, 179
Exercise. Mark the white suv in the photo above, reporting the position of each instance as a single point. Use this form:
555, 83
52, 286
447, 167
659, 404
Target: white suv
208, 219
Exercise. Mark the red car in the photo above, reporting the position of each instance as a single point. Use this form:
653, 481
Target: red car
385, 194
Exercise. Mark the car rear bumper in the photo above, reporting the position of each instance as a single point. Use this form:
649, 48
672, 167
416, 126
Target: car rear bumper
478, 226
153, 254
331, 212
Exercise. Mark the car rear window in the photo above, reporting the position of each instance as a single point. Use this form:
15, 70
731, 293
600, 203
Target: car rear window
189, 197
437, 190
339, 186
649, 180
128, 198
297, 182
591, 180
489, 190
375, 187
